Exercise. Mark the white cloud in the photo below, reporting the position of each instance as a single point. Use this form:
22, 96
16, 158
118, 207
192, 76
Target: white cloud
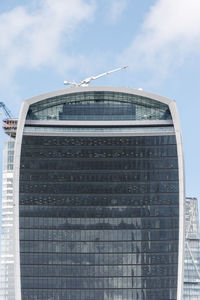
117, 8
170, 32
34, 36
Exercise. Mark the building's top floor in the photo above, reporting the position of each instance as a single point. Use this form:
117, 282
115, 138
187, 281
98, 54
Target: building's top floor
93, 104
99, 105
10, 126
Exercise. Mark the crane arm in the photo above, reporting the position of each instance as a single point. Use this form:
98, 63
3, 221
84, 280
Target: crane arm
6, 110
108, 72
87, 80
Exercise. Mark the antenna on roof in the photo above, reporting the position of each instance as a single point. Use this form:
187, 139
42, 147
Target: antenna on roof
86, 81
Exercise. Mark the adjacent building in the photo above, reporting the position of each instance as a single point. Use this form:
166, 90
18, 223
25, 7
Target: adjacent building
98, 197
7, 225
192, 251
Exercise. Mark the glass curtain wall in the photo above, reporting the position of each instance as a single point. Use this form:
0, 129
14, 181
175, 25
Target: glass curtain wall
99, 217
7, 225
192, 251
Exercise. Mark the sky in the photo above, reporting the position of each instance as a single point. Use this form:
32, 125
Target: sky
44, 42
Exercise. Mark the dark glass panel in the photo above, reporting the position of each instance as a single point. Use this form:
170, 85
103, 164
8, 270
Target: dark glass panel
99, 218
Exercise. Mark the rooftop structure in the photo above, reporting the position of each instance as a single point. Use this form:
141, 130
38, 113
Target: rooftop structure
10, 126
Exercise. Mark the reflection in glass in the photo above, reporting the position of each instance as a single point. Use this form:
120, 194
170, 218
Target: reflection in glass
99, 217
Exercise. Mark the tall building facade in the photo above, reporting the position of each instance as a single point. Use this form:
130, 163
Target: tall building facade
99, 197
192, 251
7, 225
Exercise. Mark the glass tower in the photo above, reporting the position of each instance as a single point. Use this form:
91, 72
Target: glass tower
99, 192
192, 251
7, 225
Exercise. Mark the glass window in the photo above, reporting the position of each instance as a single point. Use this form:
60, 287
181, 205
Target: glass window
99, 217
99, 106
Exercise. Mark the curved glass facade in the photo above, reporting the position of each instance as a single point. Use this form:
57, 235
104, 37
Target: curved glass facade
98, 203
99, 106
99, 217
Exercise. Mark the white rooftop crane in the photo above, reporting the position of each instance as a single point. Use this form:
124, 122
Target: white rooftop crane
86, 81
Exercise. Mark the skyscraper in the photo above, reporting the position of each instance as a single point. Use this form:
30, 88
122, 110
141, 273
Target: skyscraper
99, 196
7, 225
192, 251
